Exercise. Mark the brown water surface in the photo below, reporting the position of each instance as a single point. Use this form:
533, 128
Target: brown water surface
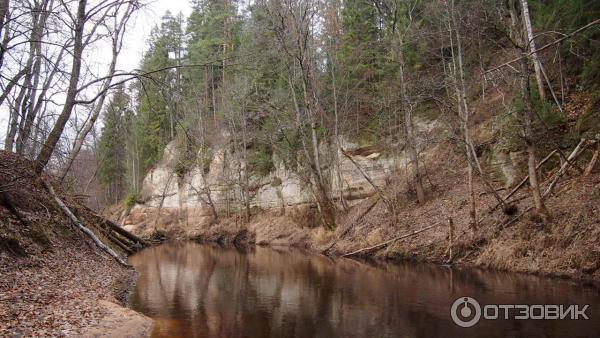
194, 290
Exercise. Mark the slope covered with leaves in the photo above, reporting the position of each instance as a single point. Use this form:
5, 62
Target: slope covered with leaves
52, 275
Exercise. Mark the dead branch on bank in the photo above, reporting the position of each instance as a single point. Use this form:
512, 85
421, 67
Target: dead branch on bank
576, 152
388, 242
523, 181
380, 192
593, 161
351, 225
82, 227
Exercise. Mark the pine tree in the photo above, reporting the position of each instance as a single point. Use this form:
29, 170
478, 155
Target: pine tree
158, 94
112, 151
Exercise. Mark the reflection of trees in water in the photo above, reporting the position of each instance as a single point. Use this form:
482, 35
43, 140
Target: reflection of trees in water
205, 291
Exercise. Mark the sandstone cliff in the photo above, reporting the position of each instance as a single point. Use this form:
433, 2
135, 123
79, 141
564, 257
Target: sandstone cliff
175, 203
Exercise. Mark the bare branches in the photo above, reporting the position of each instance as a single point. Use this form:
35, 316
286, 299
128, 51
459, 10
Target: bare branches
555, 42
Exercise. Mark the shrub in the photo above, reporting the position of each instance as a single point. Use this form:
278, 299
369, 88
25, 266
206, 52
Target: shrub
260, 159
130, 200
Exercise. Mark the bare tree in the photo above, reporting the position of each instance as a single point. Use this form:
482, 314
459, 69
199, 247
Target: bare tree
119, 25
292, 22
530, 45
57, 130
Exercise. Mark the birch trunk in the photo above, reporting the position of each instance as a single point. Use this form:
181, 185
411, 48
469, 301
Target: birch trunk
530, 44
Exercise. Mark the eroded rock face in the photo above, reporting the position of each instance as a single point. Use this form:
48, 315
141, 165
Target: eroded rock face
183, 204
510, 165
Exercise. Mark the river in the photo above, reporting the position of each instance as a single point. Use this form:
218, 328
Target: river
199, 290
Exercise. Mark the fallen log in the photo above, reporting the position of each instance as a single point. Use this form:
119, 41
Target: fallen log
119, 242
524, 180
349, 227
576, 152
395, 239
116, 228
383, 196
82, 227
593, 162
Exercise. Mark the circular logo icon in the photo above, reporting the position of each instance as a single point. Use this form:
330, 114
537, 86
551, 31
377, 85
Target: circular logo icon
465, 312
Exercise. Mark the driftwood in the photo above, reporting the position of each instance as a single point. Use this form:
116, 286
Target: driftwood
82, 227
386, 243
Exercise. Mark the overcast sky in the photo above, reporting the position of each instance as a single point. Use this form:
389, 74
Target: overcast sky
135, 44
139, 30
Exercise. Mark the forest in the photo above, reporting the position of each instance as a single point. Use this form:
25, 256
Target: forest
447, 131
296, 79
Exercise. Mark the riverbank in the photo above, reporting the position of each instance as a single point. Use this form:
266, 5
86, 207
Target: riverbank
70, 291
54, 280
568, 246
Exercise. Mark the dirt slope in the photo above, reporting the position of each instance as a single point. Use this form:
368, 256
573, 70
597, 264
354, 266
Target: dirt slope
52, 276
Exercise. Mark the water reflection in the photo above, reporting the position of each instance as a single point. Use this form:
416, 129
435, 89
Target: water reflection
194, 290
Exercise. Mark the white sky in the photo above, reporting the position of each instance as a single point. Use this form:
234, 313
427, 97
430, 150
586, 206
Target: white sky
136, 37
141, 25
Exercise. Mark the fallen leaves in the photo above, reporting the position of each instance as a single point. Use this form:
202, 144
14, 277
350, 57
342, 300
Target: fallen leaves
55, 295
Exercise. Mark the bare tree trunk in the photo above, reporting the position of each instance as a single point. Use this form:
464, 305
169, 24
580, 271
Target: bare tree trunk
530, 44
321, 198
28, 110
245, 178
5, 19
4, 6
53, 138
416, 179
463, 110
338, 160
34, 109
16, 119
527, 116
117, 43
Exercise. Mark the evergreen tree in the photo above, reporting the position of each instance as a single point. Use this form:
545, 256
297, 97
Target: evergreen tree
158, 93
112, 151
362, 59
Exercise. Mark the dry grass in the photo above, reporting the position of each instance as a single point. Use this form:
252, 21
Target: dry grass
569, 246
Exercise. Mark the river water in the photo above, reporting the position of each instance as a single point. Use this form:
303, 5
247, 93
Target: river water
194, 290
